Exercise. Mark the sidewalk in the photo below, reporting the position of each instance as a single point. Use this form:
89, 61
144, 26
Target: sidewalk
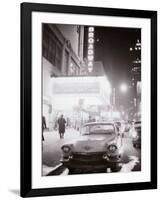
69, 133
52, 146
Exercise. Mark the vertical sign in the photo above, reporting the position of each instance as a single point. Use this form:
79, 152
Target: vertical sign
90, 53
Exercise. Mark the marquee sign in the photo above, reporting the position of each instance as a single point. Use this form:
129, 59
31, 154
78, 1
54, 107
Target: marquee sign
90, 53
76, 88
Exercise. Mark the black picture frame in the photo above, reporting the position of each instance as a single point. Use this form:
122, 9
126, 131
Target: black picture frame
26, 101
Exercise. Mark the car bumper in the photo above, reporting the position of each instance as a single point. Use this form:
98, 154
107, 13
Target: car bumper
81, 163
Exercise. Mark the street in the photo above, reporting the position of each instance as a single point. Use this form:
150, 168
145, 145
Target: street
52, 145
82, 84
131, 158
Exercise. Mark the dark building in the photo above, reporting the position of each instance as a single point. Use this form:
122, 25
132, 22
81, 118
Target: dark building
135, 53
63, 48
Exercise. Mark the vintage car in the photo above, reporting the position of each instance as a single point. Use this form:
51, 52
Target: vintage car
98, 148
136, 134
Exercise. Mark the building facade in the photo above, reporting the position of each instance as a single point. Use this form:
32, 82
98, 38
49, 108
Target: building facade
63, 48
62, 55
135, 53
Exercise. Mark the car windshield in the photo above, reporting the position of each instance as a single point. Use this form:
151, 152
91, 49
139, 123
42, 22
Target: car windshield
98, 129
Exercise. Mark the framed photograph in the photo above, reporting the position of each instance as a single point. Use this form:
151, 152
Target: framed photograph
88, 99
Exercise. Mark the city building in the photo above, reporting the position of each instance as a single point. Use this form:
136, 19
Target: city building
62, 48
62, 55
69, 87
135, 53
80, 97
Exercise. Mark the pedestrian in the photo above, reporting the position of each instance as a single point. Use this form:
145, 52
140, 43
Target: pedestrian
61, 124
43, 126
90, 119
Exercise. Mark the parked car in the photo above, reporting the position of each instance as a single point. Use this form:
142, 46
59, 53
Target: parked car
123, 127
98, 148
136, 134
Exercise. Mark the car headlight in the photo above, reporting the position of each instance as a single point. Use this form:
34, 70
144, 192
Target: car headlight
112, 148
134, 134
66, 149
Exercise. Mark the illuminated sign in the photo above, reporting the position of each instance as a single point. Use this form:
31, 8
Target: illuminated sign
76, 88
90, 52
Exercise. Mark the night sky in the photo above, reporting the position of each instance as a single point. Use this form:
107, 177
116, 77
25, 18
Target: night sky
112, 48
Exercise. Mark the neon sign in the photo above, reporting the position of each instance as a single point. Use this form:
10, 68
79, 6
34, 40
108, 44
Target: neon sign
90, 53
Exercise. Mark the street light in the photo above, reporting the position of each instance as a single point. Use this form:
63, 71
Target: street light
123, 87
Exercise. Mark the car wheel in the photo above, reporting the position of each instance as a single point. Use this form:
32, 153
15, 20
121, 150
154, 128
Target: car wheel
71, 170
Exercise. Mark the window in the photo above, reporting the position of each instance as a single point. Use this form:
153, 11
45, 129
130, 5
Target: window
98, 129
52, 48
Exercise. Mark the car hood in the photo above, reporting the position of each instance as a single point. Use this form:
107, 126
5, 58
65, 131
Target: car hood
92, 143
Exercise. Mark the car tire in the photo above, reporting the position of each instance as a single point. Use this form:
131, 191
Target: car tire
71, 171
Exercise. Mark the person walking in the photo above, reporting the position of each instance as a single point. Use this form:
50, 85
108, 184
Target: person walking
43, 126
61, 124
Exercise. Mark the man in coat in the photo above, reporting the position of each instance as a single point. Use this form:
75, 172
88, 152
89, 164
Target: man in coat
61, 124
43, 126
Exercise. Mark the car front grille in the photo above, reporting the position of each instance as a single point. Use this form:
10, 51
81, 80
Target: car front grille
87, 157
